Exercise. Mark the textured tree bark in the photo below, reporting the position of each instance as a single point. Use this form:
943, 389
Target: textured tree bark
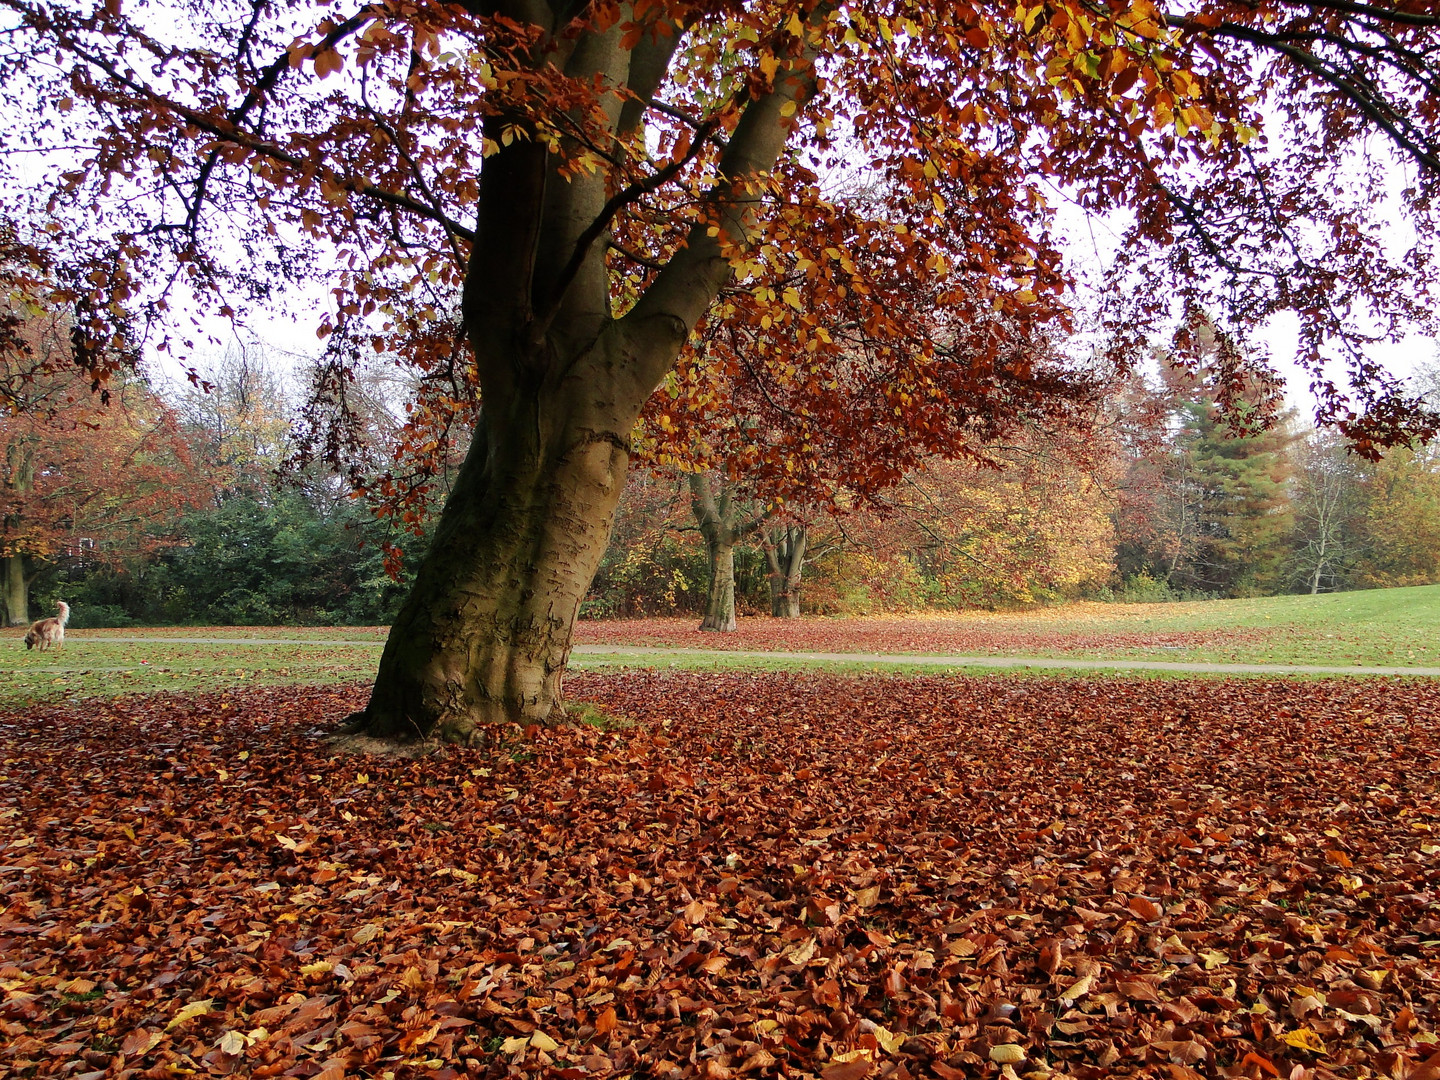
785, 558
486, 631
720, 603
16, 591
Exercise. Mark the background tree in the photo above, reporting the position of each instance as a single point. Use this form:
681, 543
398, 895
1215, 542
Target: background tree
240, 417
1328, 510
79, 479
1031, 524
796, 421
590, 176
653, 565
725, 517
1234, 496
1401, 520
787, 544
1208, 505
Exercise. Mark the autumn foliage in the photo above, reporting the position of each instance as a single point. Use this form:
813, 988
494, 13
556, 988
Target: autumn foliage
765, 875
539, 207
110, 478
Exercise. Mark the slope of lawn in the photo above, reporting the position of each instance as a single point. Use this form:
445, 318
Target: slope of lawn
1377, 627
1389, 627
97, 663
742, 876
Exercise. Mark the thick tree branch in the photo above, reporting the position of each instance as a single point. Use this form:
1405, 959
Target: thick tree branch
693, 277
601, 224
1370, 11
649, 61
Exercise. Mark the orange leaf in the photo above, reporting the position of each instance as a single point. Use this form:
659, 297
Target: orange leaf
605, 1022
1146, 909
1255, 1059
849, 1070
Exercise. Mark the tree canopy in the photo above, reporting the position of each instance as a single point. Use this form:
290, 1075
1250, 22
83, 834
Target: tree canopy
298, 139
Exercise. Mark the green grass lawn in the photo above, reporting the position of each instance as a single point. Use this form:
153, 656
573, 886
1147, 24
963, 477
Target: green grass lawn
98, 663
1375, 627
1384, 627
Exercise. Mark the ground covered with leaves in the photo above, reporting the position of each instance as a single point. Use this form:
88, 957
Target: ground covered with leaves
918, 634
762, 875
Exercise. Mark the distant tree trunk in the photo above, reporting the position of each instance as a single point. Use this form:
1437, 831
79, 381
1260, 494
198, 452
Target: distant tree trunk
785, 558
720, 603
19, 479
16, 591
723, 524
1321, 561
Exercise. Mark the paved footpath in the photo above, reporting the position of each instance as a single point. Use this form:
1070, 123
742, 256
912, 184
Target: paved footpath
654, 653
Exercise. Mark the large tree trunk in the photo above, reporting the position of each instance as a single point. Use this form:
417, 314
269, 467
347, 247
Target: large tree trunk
16, 590
720, 604
486, 631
